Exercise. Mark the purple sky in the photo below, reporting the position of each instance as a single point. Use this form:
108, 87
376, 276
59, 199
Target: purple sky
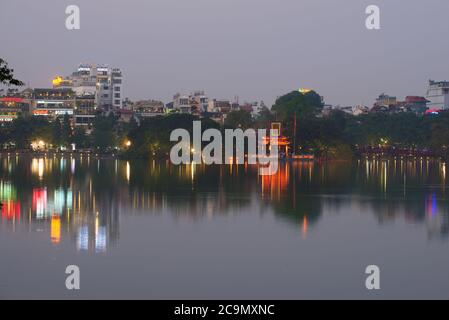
256, 49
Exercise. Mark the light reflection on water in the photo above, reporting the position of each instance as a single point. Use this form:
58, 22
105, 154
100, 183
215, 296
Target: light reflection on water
223, 222
83, 198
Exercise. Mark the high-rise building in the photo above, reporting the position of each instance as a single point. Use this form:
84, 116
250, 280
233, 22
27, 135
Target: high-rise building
438, 95
116, 85
101, 81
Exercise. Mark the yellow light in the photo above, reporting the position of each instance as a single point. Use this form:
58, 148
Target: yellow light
128, 171
57, 81
128, 143
55, 232
305, 90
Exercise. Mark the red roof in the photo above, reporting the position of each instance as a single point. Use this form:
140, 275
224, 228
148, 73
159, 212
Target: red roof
11, 99
415, 99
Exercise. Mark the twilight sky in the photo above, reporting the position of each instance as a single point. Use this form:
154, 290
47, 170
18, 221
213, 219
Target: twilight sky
256, 49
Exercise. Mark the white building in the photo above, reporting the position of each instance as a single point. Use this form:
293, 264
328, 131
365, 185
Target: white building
201, 100
197, 102
116, 81
181, 103
438, 95
105, 83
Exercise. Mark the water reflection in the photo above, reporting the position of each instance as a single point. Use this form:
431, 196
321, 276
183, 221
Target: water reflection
81, 199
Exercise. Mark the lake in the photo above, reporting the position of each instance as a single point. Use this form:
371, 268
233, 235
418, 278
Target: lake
147, 229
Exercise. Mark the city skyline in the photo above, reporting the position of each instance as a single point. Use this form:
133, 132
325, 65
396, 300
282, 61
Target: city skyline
163, 47
237, 150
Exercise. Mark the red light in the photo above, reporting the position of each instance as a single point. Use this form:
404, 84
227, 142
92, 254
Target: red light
11, 100
11, 210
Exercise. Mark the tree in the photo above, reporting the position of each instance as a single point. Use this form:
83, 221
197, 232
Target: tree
104, 135
264, 118
21, 132
297, 104
57, 132
152, 137
302, 106
80, 138
7, 75
239, 119
66, 130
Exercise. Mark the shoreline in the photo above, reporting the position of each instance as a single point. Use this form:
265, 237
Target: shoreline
116, 156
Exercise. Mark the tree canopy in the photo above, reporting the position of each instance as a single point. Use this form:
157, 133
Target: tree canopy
296, 103
7, 75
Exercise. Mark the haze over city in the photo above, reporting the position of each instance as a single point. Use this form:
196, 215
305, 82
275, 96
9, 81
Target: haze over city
256, 49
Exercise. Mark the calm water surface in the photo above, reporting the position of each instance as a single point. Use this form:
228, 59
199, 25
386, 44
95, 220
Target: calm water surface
143, 229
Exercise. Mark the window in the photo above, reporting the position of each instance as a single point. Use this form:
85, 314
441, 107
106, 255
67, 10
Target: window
117, 88
117, 102
117, 95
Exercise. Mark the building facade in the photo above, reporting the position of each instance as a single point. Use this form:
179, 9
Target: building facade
12, 107
148, 108
85, 110
101, 81
438, 95
385, 100
181, 103
53, 103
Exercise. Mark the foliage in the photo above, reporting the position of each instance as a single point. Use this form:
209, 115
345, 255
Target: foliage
152, 137
104, 134
239, 119
7, 75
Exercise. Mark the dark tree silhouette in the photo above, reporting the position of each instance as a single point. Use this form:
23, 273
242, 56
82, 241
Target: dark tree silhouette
7, 75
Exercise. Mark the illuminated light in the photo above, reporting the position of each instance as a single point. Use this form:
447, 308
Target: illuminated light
82, 243
72, 166
128, 143
11, 210
192, 170
432, 206
100, 236
305, 90
11, 100
7, 192
38, 145
39, 202
62, 200
57, 81
37, 167
128, 171
55, 233
305, 226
